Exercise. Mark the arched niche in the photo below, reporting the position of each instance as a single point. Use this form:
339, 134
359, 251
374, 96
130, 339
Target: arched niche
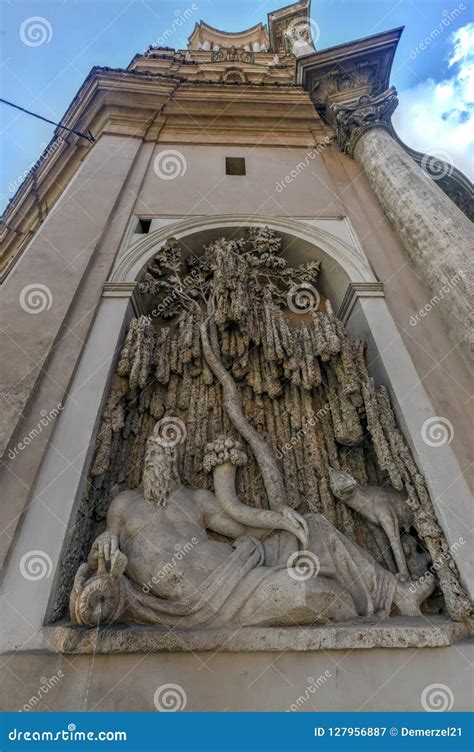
342, 264
346, 279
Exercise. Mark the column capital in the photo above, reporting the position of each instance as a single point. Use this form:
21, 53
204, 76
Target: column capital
352, 120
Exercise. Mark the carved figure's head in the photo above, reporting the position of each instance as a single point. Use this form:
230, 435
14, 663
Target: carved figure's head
342, 484
159, 469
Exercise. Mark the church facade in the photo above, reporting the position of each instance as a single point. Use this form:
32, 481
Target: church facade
241, 292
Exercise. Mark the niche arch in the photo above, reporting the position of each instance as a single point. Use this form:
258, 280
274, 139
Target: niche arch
63, 483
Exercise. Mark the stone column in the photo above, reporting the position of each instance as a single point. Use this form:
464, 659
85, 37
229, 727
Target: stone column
436, 234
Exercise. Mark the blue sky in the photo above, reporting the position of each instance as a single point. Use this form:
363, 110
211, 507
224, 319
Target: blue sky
433, 69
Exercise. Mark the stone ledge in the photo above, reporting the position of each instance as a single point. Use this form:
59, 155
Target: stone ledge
397, 632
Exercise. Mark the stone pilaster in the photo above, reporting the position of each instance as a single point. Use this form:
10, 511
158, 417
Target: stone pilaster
436, 234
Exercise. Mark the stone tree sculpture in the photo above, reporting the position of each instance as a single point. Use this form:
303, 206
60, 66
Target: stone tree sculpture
237, 344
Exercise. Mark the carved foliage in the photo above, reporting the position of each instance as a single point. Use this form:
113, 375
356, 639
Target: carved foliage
303, 385
353, 120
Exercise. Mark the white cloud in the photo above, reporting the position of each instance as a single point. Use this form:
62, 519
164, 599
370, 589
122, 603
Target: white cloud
439, 115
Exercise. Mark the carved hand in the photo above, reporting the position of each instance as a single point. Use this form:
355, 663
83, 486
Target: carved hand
105, 546
296, 523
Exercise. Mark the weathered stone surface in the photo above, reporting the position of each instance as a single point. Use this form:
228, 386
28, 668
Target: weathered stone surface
238, 681
396, 632
436, 235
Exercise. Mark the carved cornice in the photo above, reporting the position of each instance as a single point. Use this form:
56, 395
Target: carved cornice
357, 290
145, 106
340, 76
232, 54
127, 290
351, 121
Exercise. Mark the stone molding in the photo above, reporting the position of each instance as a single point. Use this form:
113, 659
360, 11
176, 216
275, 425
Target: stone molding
357, 290
145, 106
232, 54
125, 290
394, 632
130, 263
352, 121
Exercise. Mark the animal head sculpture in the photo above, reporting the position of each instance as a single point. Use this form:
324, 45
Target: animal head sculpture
342, 484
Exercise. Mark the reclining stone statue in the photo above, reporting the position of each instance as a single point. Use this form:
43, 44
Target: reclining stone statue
382, 507
155, 564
